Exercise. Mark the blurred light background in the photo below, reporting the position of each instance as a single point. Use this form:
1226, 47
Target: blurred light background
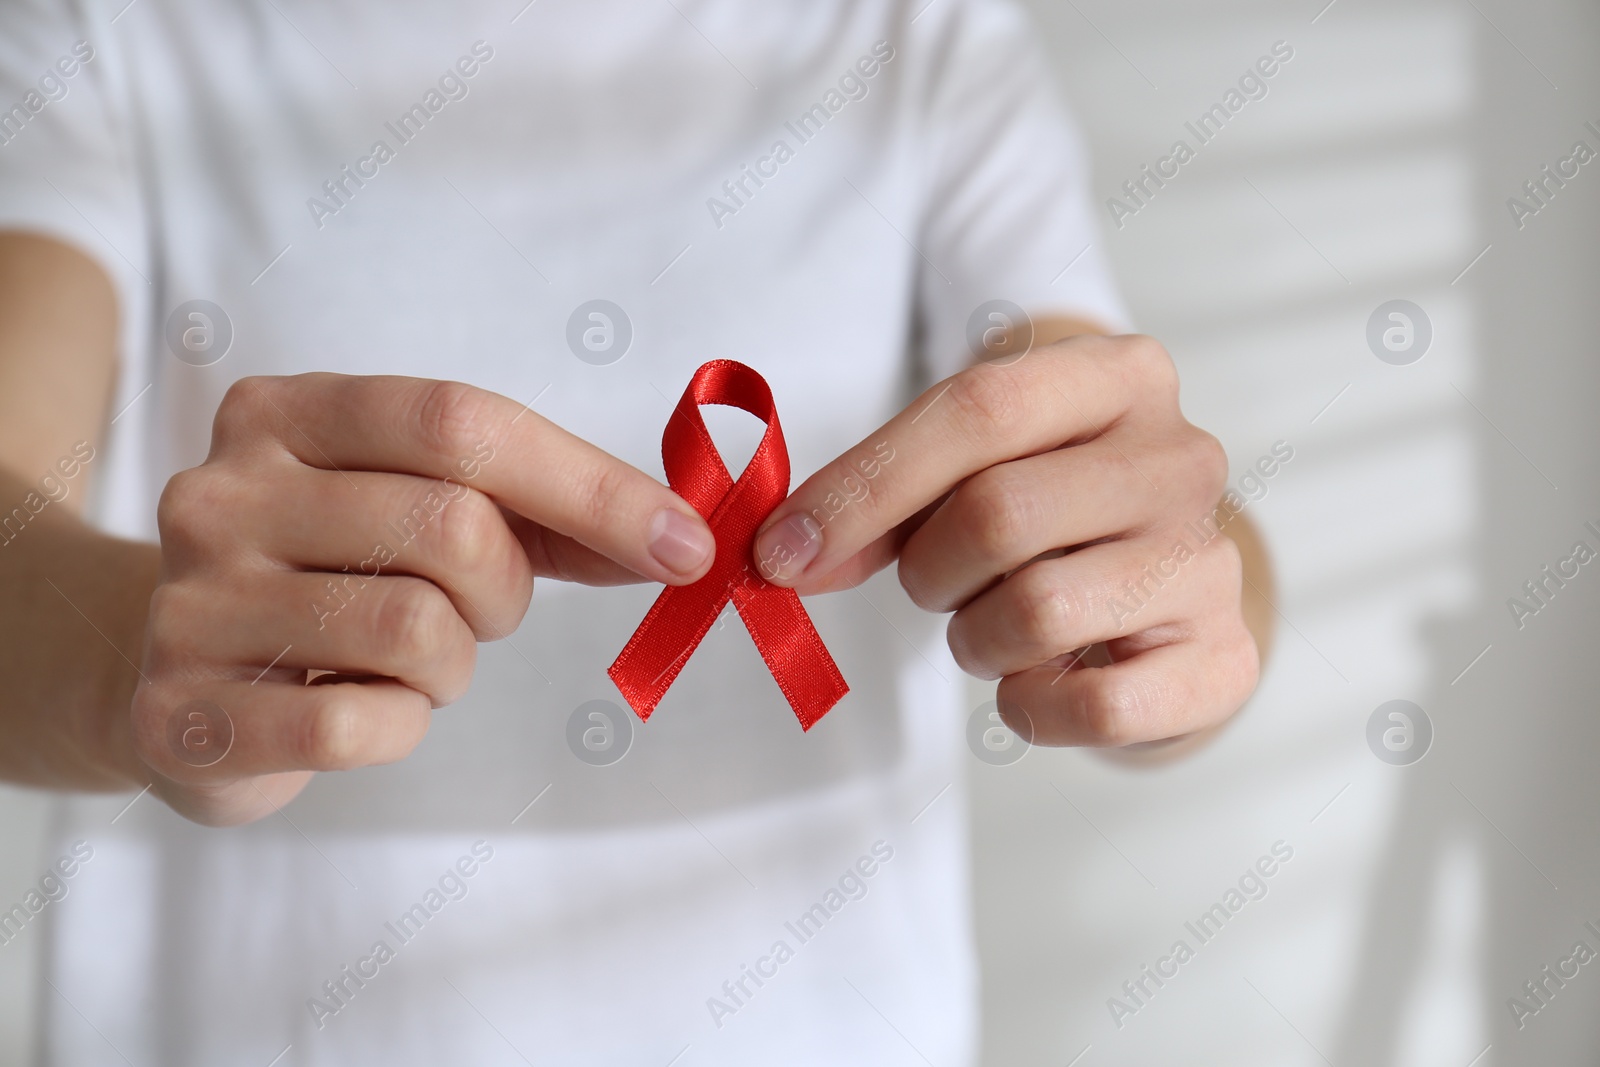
1420, 898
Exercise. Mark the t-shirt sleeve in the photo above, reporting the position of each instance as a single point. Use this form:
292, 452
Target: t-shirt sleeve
67, 170
1009, 214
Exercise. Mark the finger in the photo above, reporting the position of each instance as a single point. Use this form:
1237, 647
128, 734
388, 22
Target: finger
233, 802
1096, 594
371, 525
216, 733
448, 430
1004, 516
869, 561
396, 627
554, 555
985, 415
1162, 692
859, 567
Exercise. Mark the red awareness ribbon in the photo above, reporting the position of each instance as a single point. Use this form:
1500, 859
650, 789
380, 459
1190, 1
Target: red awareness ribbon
682, 615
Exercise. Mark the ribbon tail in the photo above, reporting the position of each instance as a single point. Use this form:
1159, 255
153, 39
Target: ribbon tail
793, 650
677, 622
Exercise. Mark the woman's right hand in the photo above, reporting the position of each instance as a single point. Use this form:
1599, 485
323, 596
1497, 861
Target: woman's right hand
375, 528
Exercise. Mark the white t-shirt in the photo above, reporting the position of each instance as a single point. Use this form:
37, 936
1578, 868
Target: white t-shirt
532, 906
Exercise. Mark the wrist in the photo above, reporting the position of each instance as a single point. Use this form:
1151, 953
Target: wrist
113, 588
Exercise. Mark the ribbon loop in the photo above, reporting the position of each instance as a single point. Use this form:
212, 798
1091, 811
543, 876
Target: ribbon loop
682, 615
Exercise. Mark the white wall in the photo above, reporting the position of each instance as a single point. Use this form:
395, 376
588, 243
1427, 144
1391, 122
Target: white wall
1417, 903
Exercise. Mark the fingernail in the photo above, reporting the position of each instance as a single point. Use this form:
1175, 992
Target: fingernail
679, 543
787, 547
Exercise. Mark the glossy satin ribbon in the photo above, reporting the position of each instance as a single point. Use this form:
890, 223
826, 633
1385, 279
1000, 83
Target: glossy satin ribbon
682, 615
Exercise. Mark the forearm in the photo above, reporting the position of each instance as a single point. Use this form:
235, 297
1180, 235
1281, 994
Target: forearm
73, 604
72, 601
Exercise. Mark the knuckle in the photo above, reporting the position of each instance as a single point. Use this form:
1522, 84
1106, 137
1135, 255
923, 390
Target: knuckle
147, 719
925, 579
1227, 564
604, 495
456, 679
1247, 666
1218, 577
1114, 713
958, 636
167, 623
332, 735
466, 525
1208, 462
1238, 660
166, 609
988, 398
1241, 665
189, 507
245, 400
1045, 611
159, 723
1151, 364
450, 418
1000, 515
919, 585
412, 620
